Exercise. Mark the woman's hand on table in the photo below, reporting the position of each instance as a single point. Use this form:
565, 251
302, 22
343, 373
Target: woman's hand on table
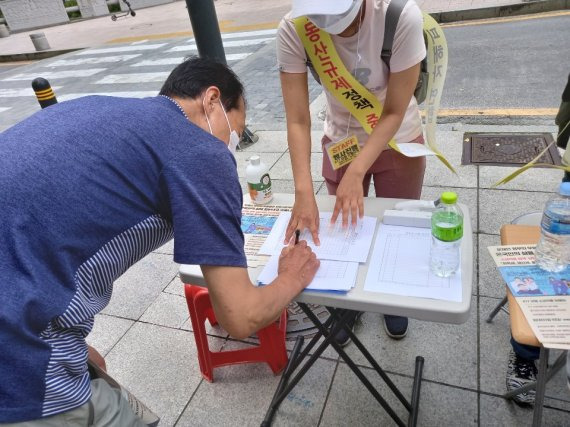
349, 199
305, 214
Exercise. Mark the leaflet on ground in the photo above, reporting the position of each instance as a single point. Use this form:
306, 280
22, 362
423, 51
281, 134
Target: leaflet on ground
350, 244
400, 265
331, 276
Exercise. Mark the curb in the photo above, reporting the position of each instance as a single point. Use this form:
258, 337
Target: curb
526, 8
34, 56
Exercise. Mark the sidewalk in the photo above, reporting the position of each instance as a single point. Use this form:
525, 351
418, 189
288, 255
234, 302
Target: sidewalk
145, 333
171, 20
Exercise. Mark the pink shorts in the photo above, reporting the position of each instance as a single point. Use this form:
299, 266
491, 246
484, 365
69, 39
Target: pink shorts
395, 175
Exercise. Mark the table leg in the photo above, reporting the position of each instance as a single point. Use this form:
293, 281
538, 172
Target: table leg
283, 381
310, 362
540, 386
350, 362
374, 364
285, 388
413, 420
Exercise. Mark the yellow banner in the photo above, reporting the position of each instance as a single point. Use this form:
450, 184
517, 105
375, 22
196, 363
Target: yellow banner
437, 69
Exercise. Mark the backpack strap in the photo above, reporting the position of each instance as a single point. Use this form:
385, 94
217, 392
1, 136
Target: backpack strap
393, 13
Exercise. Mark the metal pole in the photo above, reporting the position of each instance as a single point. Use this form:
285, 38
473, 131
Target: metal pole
208, 39
206, 29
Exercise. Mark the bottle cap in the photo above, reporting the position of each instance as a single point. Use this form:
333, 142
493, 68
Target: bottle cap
255, 160
448, 197
565, 188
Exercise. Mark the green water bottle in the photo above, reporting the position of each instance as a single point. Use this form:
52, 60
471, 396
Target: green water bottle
446, 234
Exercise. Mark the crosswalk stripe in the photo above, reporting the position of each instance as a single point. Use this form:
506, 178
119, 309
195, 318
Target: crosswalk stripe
16, 93
179, 59
249, 34
54, 74
133, 94
94, 60
234, 43
121, 49
134, 78
2, 109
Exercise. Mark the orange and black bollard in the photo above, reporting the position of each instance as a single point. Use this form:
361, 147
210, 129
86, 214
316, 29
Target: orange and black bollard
44, 92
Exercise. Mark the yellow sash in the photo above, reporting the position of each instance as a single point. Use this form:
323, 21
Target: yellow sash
358, 100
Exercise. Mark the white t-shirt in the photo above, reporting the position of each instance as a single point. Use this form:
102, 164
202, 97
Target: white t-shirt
408, 50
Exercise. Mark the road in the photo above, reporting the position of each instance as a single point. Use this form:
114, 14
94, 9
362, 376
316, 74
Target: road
508, 63
498, 67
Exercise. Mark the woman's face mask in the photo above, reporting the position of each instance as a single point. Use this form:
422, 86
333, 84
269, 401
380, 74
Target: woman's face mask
233, 142
336, 24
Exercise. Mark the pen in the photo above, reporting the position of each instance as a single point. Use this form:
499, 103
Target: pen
297, 233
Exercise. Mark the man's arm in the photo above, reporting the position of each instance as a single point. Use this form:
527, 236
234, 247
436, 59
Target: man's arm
241, 308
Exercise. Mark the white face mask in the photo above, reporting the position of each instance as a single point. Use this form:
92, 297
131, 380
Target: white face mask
234, 137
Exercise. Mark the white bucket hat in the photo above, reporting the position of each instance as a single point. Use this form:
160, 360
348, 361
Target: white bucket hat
332, 16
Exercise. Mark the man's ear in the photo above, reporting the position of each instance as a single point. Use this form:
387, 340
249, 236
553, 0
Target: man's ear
212, 96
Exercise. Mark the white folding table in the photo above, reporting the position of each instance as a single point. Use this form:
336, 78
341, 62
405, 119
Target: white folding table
357, 299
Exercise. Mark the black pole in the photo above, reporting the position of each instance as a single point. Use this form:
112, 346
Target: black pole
206, 29
208, 39
43, 92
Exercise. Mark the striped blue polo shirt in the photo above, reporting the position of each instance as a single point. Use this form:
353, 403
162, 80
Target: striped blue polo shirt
87, 188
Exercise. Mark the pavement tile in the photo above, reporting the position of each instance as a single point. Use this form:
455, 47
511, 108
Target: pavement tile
350, 403
491, 284
535, 179
175, 287
498, 412
167, 310
282, 169
498, 207
240, 395
448, 350
135, 290
437, 174
107, 331
494, 348
158, 365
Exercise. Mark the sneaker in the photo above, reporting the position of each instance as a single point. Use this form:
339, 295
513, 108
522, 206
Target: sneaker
395, 326
519, 373
342, 338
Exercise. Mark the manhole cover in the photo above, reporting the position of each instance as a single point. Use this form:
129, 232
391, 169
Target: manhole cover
504, 149
299, 324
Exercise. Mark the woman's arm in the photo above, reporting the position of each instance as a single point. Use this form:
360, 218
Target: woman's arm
305, 213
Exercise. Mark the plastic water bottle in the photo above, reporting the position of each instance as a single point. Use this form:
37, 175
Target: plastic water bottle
446, 234
553, 249
258, 181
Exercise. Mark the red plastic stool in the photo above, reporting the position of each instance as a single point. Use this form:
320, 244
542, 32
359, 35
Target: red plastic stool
271, 348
